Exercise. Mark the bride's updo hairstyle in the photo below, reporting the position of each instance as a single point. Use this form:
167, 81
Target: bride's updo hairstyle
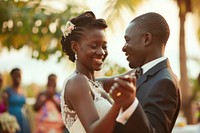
81, 24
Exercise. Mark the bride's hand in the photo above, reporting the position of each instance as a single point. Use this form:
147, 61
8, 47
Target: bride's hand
123, 91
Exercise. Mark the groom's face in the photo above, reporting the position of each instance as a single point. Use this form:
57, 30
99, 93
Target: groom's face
134, 46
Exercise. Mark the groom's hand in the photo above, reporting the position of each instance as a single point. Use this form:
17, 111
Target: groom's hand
123, 91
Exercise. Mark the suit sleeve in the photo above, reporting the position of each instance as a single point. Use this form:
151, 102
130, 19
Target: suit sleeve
158, 111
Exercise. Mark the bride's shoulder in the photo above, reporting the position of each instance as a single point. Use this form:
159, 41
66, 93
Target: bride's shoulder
77, 80
77, 83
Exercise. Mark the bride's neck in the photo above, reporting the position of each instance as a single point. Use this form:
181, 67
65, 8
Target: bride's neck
89, 74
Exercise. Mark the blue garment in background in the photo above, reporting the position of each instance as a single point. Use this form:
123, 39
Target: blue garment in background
15, 107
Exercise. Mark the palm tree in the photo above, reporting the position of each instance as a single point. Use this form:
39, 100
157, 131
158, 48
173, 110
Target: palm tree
114, 8
186, 6
113, 11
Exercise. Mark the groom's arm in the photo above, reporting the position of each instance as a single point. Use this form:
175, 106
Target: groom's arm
157, 113
124, 115
107, 82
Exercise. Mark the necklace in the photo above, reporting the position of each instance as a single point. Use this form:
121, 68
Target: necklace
94, 83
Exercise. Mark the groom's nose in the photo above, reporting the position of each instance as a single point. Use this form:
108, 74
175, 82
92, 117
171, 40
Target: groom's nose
124, 47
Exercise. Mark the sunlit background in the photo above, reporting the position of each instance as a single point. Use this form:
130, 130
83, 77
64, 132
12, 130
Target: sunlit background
36, 65
36, 71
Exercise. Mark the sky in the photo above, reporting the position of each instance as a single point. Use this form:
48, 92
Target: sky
35, 71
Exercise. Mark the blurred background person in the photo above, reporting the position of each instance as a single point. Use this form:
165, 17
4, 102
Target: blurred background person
2, 104
198, 88
16, 101
1, 81
47, 107
2, 101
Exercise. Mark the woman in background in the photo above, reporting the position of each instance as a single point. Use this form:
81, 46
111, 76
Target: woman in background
3, 107
47, 107
16, 101
8, 122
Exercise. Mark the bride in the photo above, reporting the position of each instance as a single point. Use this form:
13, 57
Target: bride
85, 106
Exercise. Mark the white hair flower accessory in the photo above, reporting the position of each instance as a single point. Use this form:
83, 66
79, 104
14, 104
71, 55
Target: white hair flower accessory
68, 29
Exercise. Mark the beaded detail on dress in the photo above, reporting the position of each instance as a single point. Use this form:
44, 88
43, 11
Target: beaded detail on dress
70, 117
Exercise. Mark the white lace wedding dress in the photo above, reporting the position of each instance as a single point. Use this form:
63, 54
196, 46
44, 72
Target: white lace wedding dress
70, 118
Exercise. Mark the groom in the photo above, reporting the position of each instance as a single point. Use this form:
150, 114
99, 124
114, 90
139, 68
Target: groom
152, 104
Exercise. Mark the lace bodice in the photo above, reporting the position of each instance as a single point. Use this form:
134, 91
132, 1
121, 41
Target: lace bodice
70, 117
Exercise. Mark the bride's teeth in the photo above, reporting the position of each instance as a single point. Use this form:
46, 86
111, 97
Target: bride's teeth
98, 60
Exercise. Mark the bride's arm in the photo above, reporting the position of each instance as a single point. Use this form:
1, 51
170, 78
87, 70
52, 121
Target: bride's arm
78, 94
107, 82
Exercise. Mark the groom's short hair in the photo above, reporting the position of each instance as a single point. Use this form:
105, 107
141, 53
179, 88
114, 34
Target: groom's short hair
155, 24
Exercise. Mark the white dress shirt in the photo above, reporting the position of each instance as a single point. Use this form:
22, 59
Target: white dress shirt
124, 116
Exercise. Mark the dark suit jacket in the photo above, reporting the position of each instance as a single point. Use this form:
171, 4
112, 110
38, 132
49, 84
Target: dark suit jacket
159, 97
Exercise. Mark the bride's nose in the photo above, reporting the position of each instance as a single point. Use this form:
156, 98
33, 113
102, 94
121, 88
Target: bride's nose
100, 51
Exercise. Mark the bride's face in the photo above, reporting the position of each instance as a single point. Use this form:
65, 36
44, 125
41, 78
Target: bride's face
92, 49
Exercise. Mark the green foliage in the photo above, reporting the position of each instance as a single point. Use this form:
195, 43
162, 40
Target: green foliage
196, 88
35, 24
6, 80
32, 90
111, 69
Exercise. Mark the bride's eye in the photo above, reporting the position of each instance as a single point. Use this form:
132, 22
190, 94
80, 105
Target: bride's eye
104, 47
94, 45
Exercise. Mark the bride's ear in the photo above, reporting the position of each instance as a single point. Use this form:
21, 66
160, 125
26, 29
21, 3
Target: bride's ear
74, 46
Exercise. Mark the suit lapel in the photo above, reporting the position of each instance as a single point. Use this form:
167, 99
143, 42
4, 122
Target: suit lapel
151, 72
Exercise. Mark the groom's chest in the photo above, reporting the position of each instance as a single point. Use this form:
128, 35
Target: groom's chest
145, 90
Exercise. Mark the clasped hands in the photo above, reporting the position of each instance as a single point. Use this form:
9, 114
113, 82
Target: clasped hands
123, 91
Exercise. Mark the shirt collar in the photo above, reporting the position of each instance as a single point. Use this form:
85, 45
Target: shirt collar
152, 63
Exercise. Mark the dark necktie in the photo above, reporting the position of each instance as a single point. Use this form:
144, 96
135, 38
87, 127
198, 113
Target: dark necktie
138, 72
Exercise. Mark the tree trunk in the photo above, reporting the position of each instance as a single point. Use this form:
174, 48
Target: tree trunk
184, 81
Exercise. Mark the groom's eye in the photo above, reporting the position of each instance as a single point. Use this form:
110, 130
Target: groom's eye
127, 40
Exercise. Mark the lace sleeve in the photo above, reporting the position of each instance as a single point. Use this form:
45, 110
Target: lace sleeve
68, 116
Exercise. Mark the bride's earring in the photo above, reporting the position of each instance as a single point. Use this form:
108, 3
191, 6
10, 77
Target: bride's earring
76, 57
